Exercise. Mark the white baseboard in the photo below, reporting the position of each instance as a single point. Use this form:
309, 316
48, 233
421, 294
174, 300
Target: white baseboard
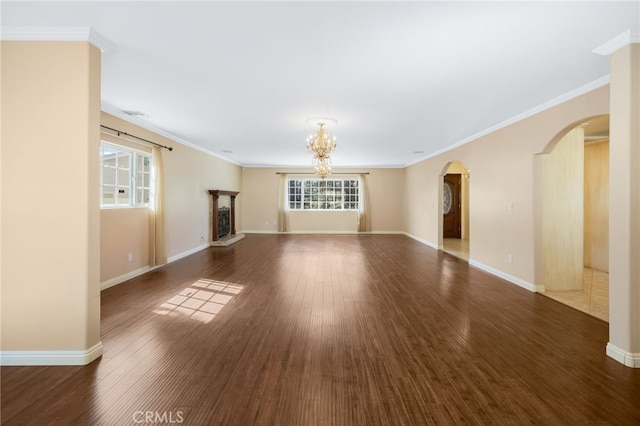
124, 277
320, 232
515, 280
129, 275
384, 232
420, 240
32, 358
188, 252
325, 232
629, 359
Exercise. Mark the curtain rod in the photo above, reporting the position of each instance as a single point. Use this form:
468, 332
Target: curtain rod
120, 132
310, 173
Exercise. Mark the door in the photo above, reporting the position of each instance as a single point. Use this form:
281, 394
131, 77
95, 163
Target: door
451, 208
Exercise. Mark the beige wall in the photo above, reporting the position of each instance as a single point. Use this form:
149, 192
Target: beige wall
502, 173
188, 175
260, 214
596, 205
50, 214
324, 222
123, 231
563, 212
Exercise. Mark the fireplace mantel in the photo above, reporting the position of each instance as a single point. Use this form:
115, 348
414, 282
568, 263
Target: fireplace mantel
232, 237
218, 192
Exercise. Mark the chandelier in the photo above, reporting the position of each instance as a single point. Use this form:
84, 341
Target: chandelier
321, 144
322, 167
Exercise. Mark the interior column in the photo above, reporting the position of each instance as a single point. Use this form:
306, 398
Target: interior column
50, 203
624, 222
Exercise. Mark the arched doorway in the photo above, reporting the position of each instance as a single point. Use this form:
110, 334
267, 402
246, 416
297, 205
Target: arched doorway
453, 220
574, 199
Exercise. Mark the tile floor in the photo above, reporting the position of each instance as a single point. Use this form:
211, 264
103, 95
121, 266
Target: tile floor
593, 299
456, 247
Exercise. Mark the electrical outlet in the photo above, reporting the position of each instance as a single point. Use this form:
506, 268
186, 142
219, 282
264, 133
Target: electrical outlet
202, 238
509, 258
130, 257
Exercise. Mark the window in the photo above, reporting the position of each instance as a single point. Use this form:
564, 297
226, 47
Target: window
125, 179
143, 179
323, 194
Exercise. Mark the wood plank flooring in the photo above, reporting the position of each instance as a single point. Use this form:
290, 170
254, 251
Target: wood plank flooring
331, 330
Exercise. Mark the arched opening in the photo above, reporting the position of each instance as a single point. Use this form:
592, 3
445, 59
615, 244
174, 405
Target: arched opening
573, 261
453, 217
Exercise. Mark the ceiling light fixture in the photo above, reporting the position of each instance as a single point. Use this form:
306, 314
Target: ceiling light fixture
323, 168
321, 144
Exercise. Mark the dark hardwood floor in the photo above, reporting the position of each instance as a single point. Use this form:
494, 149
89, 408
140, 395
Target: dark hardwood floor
331, 330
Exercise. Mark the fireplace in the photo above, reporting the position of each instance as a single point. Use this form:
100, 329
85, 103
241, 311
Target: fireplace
223, 221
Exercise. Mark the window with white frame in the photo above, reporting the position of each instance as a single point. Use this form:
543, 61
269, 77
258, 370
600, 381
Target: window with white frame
125, 179
323, 194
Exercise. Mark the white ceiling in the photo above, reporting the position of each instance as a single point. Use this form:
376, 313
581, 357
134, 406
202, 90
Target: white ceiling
403, 79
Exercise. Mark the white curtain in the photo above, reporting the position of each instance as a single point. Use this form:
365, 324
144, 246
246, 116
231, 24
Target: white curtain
283, 216
157, 246
364, 216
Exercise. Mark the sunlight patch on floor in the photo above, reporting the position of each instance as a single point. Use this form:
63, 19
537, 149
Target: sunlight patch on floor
201, 301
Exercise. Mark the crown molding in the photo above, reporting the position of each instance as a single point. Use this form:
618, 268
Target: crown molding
334, 168
617, 42
59, 34
110, 109
582, 90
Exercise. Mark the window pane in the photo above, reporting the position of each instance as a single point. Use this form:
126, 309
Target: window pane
144, 163
108, 155
108, 176
123, 177
122, 197
108, 194
124, 160
294, 194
